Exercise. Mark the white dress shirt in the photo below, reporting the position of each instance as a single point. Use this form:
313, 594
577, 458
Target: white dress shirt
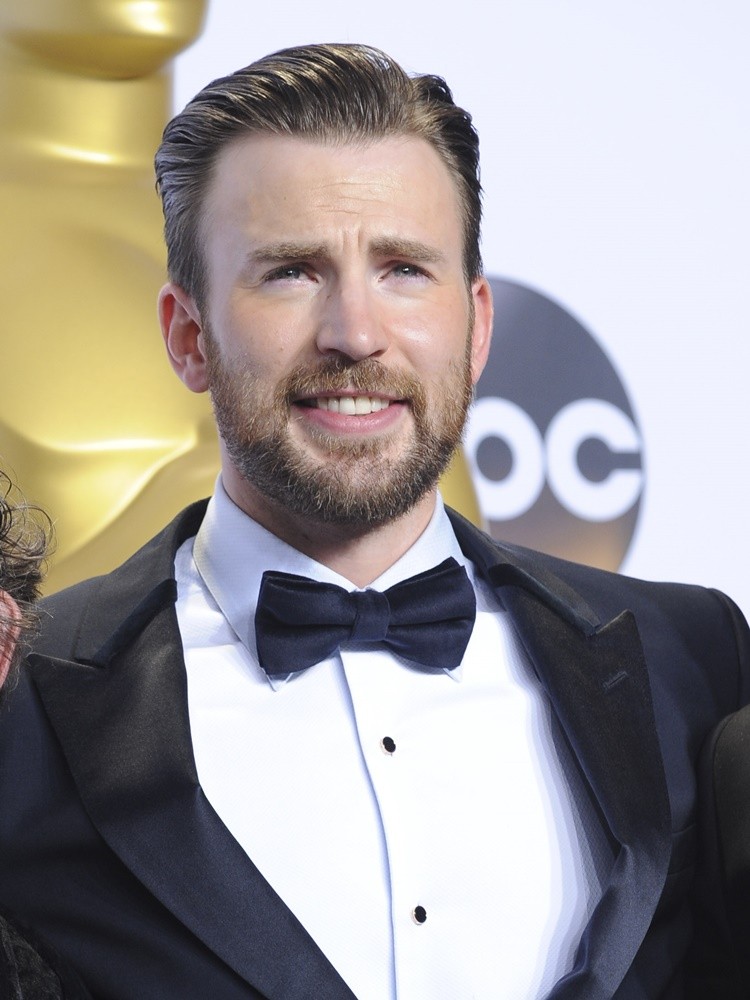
465, 862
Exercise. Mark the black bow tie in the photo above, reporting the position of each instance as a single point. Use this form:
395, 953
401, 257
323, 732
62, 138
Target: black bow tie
427, 618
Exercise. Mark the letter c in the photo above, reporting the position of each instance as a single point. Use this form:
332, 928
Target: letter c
578, 422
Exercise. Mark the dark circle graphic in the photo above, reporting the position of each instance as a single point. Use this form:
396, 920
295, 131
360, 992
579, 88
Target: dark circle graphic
555, 448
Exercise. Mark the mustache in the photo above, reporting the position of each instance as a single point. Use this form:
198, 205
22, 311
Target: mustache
336, 374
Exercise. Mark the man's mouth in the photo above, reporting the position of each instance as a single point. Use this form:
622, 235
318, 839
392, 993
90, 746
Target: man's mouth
348, 405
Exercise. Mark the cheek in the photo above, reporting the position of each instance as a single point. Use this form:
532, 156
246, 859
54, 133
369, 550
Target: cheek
251, 336
436, 340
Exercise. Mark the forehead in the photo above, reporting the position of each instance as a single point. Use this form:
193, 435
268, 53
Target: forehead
264, 183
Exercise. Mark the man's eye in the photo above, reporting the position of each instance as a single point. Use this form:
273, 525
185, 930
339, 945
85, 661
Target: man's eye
408, 271
290, 272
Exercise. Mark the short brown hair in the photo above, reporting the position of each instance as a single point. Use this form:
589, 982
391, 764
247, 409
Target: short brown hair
24, 540
331, 93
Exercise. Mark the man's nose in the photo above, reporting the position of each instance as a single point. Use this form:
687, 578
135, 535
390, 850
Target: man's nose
352, 323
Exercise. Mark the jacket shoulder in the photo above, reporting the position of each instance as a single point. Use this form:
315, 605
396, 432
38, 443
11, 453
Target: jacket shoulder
607, 591
99, 603
701, 623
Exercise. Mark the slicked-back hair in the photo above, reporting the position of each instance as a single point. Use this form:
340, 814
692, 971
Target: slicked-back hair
332, 94
24, 539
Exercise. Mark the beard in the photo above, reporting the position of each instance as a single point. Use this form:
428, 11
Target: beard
358, 483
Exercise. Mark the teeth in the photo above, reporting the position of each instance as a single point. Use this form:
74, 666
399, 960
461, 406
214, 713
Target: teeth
352, 404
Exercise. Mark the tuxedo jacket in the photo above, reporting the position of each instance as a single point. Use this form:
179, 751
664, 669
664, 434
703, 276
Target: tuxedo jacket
109, 848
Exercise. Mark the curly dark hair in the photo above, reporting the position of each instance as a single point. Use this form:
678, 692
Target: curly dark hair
25, 533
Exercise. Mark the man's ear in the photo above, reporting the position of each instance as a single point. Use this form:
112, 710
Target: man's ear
9, 612
481, 336
182, 329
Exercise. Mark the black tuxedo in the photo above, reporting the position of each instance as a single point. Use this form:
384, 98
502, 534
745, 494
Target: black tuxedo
109, 847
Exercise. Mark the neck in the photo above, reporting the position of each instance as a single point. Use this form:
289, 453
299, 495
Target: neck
69, 122
360, 554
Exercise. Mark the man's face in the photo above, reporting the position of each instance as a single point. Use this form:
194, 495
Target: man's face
341, 337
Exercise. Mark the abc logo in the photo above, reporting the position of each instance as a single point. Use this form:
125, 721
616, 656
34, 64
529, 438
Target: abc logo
554, 448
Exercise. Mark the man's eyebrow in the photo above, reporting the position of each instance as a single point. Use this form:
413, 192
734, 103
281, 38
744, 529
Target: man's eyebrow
283, 252
398, 246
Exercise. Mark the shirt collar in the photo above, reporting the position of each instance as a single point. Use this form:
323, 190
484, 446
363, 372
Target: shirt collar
232, 551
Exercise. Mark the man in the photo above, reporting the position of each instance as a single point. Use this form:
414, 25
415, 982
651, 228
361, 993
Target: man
322, 738
719, 962
29, 969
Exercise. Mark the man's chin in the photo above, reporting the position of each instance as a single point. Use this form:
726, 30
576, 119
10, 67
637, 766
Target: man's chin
321, 449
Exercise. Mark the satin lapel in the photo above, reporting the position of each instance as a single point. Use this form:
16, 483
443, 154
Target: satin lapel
596, 677
122, 719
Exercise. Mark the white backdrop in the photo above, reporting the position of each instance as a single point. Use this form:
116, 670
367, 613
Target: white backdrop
616, 159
